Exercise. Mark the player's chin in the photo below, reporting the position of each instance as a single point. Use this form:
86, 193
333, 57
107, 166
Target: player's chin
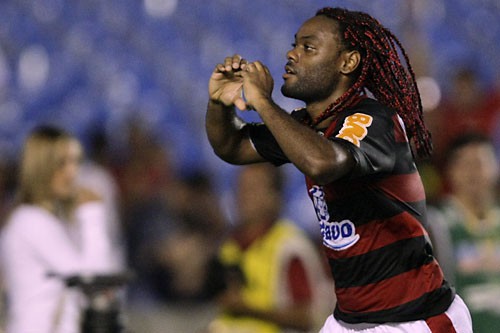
287, 89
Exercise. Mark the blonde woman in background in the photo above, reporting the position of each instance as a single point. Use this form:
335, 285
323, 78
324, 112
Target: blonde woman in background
56, 228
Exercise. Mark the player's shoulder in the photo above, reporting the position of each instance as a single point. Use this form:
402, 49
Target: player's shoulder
371, 107
367, 112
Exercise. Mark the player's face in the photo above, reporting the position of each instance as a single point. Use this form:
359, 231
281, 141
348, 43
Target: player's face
312, 71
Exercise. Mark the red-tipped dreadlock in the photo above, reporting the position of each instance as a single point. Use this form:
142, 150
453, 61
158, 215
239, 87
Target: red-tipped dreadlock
382, 73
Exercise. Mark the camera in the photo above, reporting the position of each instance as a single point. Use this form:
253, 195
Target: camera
102, 313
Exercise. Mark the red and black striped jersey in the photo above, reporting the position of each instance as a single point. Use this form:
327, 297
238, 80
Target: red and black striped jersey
372, 220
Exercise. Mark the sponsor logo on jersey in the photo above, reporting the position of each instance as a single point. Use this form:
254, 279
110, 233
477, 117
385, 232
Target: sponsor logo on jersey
355, 128
336, 235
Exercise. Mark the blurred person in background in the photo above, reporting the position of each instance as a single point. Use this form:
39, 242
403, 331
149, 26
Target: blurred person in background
144, 173
197, 226
55, 230
7, 189
96, 175
466, 227
468, 106
274, 279
167, 216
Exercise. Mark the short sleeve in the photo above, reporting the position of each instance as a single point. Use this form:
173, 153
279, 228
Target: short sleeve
369, 135
266, 145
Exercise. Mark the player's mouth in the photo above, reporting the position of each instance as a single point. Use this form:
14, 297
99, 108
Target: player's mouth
289, 71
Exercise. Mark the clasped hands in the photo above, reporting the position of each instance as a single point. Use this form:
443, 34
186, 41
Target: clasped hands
241, 83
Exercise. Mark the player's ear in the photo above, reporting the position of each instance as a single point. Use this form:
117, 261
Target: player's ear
350, 61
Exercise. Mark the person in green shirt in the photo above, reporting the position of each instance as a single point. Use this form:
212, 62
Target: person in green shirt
467, 239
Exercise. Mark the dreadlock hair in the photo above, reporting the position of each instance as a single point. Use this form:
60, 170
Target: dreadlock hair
382, 73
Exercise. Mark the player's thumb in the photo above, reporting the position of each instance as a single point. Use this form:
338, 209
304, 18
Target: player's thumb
240, 104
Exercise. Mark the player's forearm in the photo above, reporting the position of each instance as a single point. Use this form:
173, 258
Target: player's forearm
317, 157
224, 130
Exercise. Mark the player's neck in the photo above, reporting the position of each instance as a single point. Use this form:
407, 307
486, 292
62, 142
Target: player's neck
316, 108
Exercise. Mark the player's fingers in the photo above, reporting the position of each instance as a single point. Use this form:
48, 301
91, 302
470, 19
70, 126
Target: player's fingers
236, 61
228, 63
258, 65
220, 68
241, 73
250, 66
266, 69
244, 63
261, 67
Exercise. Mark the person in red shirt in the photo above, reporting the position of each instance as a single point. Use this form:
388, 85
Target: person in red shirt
468, 107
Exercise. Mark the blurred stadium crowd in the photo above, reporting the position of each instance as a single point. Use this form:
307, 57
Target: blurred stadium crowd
129, 78
95, 65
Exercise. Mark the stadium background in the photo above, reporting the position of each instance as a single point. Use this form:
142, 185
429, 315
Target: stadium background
90, 65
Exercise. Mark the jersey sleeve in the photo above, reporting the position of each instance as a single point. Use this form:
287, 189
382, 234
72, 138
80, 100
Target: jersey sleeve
369, 135
266, 145
368, 132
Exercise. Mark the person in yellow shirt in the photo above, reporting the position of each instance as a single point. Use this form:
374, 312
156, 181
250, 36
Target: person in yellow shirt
273, 271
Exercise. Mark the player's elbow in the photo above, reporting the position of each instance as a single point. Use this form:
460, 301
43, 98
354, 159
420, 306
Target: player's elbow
227, 155
319, 174
238, 154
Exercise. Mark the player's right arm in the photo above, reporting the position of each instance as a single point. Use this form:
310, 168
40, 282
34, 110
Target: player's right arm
226, 132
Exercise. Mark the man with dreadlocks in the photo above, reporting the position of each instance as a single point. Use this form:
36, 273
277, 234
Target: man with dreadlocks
356, 153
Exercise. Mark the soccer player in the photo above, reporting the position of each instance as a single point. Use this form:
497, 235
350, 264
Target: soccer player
356, 153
